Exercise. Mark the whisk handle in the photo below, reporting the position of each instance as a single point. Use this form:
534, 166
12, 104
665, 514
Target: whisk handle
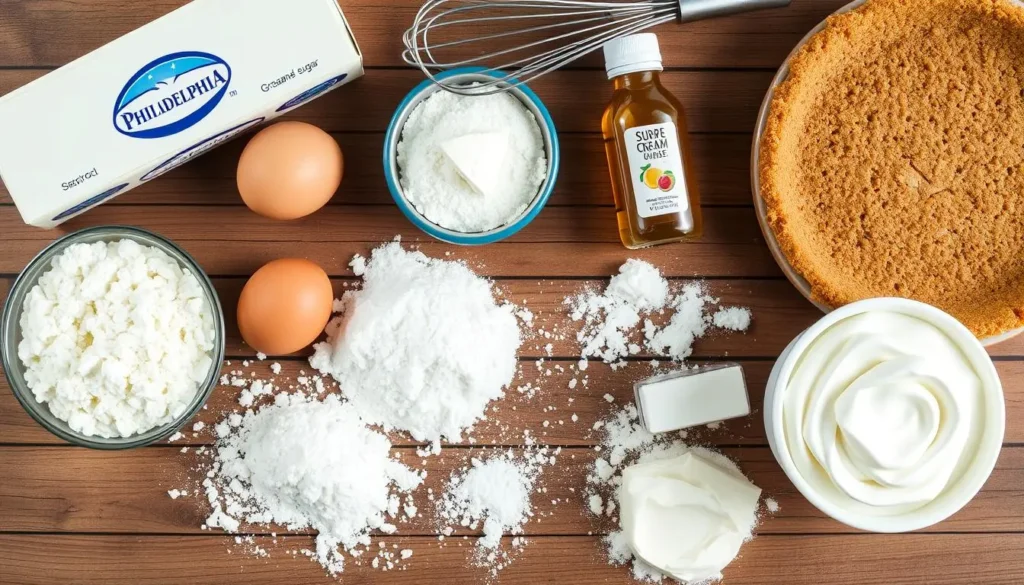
690, 10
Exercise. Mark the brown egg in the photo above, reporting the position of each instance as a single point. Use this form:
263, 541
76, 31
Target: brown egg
284, 306
289, 170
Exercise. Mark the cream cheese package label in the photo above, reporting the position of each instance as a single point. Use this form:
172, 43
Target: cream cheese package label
164, 94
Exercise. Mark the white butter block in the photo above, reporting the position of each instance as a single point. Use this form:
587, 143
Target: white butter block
696, 397
479, 158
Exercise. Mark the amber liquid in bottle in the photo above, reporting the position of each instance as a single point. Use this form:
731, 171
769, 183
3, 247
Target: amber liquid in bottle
639, 144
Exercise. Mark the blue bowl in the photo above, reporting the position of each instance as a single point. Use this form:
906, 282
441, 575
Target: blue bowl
468, 75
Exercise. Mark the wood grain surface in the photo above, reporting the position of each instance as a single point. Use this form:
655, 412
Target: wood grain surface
70, 515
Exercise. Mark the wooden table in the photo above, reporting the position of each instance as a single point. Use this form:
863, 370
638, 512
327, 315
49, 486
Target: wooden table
70, 515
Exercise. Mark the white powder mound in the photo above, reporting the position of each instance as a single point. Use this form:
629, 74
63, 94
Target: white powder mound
495, 492
688, 324
607, 318
435, 187
639, 285
637, 292
307, 464
733, 318
116, 337
423, 347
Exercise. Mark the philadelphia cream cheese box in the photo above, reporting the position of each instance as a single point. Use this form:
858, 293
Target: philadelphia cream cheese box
164, 94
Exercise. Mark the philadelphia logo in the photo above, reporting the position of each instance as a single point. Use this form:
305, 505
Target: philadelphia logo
171, 94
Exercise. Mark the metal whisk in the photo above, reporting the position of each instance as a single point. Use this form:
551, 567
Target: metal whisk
534, 37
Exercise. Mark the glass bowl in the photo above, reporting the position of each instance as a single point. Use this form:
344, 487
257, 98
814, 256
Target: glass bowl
794, 277
10, 336
467, 76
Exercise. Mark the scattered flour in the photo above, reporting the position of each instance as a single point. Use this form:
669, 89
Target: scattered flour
304, 463
688, 324
733, 318
637, 292
495, 492
435, 187
423, 347
638, 288
358, 265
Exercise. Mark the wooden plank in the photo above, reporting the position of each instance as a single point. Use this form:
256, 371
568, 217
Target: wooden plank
780, 313
242, 258
715, 101
517, 412
36, 32
941, 559
60, 489
722, 163
365, 223
507, 418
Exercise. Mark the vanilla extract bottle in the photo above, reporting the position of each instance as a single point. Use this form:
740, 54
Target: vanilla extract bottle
648, 149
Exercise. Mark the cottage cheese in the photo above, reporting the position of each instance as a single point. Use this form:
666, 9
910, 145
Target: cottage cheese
117, 338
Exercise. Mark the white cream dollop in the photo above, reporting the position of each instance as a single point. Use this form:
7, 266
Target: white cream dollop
880, 412
689, 515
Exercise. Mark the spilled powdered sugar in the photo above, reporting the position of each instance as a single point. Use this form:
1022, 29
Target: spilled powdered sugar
734, 318
423, 347
302, 453
632, 297
689, 323
495, 492
304, 463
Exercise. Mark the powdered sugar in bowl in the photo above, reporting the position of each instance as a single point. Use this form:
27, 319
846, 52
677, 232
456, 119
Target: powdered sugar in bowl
112, 338
471, 170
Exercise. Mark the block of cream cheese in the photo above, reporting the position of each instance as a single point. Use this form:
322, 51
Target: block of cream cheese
164, 94
693, 397
478, 157
687, 516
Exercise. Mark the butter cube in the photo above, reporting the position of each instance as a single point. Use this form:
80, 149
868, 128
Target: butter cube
478, 158
695, 397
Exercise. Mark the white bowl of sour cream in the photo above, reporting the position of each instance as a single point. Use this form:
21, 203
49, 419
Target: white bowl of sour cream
887, 414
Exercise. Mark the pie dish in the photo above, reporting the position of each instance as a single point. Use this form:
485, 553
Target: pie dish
890, 159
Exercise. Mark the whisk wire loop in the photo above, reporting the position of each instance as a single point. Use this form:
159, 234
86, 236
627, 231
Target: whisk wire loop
543, 23
576, 27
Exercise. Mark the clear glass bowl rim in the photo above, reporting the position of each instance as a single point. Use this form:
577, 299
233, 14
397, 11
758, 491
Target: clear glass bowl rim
9, 330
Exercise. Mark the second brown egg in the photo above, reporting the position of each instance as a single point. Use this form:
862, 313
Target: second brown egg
285, 306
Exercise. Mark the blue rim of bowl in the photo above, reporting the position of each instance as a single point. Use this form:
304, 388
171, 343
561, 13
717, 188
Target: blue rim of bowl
479, 238
202, 394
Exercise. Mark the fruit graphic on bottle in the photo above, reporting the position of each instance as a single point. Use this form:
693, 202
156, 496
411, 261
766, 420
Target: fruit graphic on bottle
666, 181
650, 176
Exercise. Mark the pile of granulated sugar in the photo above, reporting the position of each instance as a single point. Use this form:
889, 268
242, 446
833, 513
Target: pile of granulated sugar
633, 295
493, 494
304, 463
626, 442
423, 347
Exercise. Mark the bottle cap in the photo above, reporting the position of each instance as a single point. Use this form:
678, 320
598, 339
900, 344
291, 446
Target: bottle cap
631, 54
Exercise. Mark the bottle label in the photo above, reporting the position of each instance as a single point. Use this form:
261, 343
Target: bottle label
656, 168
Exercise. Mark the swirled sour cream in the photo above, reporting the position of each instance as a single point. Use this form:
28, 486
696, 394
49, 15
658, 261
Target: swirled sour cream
882, 413
687, 516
